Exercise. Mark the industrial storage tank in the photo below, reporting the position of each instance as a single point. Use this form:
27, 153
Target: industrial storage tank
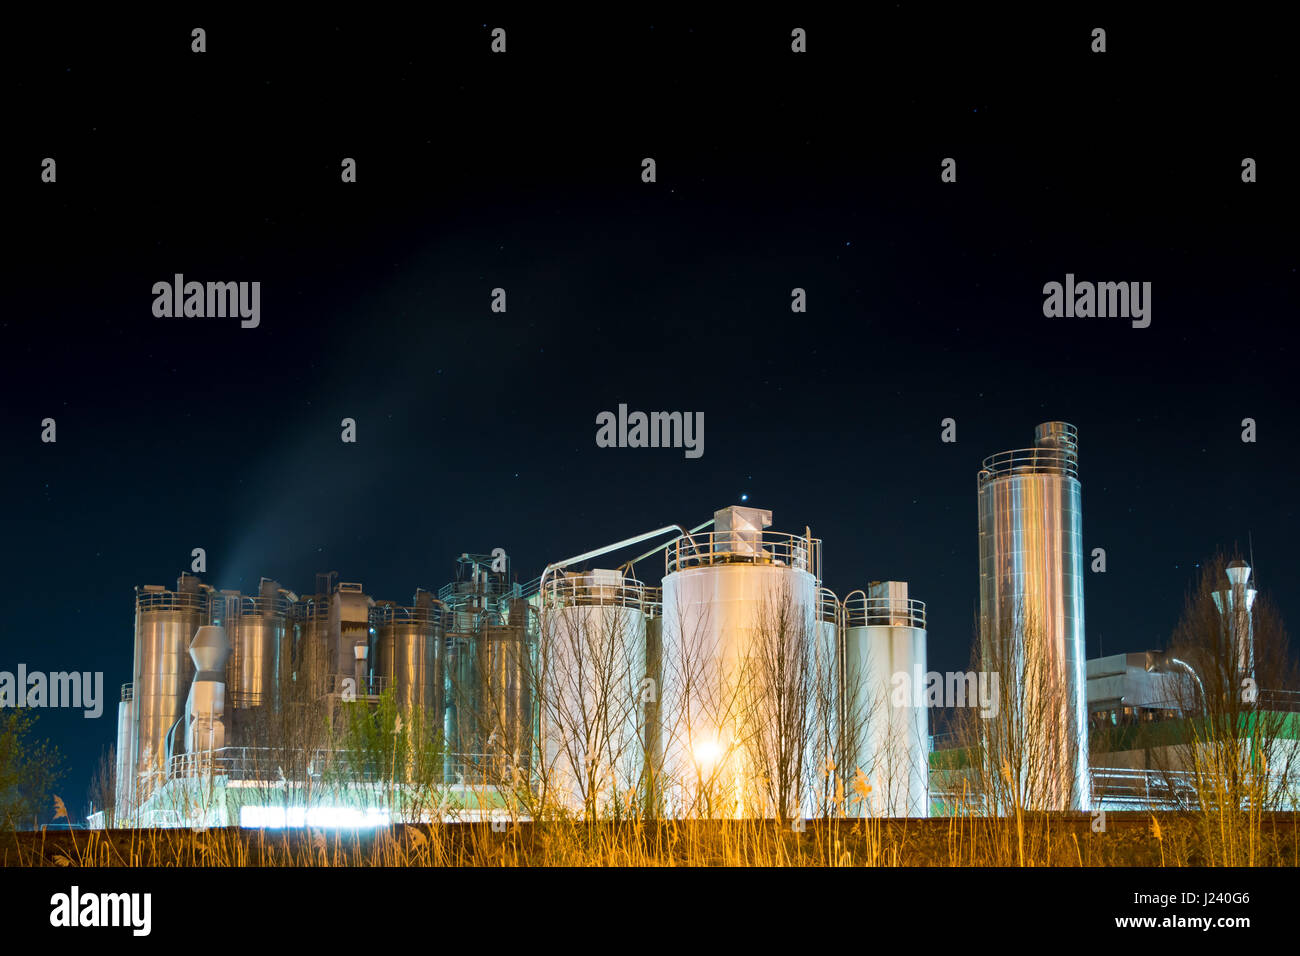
165, 623
256, 629
1031, 615
124, 781
887, 725
504, 712
824, 755
312, 654
592, 664
729, 596
410, 656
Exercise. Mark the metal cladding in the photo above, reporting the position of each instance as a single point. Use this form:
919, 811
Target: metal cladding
1031, 610
258, 641
311, 658
725, 593
888, 731
505, 706
206, 720
592, 666
124, 780
349, 622
165, 623
410, 656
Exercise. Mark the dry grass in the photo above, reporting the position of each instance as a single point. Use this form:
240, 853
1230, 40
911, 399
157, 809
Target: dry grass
1130, 839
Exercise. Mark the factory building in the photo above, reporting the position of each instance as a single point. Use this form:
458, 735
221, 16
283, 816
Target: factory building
742, 686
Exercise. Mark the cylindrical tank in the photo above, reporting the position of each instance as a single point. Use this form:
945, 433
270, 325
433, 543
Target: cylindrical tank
461, 696
823, 758
313, 654
739, 604
255, 654
125, 758
505, 708
165, 623
887, 735
1031, 615
410, 658
593, 666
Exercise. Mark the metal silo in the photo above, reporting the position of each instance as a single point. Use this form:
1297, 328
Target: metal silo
887, 724
255, 627
823, 758
165, 623
410, 656
730, 597
592, 662
256, 652
125, 757
312, 658
505, 707
1031, 616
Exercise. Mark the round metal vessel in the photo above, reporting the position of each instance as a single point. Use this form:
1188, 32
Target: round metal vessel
1031, 611
254, 667
312, 660
724, 601
886, 715
125, 757
505, 708
593, 672
410, 659
166, 622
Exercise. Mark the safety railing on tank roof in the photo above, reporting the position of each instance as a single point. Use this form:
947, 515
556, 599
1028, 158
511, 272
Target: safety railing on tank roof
172, 601
1030, 461
585, 591
257, 605
778, 548
386, 613
828, 606
128, 692
863, 611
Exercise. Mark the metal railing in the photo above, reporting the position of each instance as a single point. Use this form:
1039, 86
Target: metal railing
828, 607
173, 601
863, 611
371, 686
1030, 461
260, 763
274, 765
589, 591
386, 612
128, 692
744, 547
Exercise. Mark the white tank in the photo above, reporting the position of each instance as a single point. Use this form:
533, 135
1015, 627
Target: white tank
593, 670
886, 718
726, 595
823, 758
125, 789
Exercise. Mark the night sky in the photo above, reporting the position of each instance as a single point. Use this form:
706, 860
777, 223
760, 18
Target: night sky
476, 430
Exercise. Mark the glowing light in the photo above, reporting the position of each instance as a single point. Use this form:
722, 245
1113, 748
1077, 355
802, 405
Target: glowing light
707, 752
275, 818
